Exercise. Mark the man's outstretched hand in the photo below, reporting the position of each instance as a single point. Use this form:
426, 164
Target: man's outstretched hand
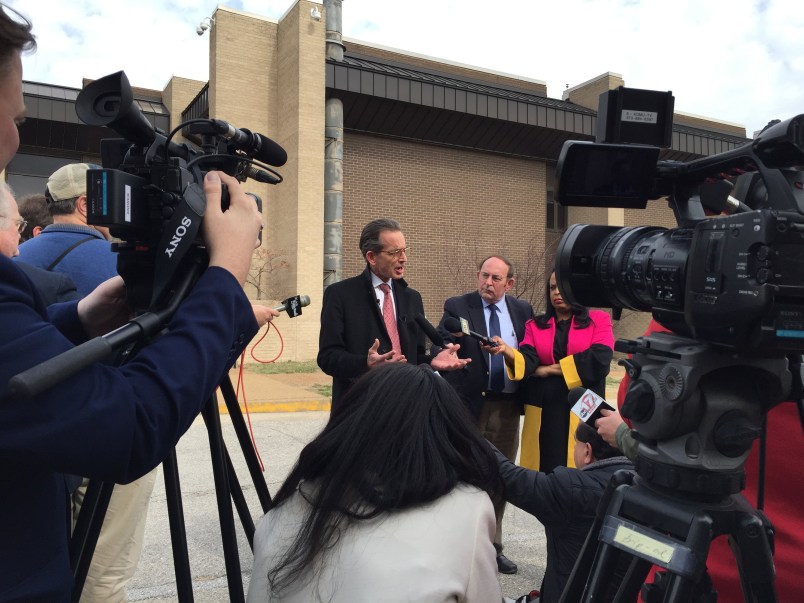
447, 359
377, 359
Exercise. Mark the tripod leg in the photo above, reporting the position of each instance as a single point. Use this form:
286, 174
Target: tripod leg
222, 492
752, 551
631, 583
246, 445
584, 563
87, 530
239, 500
178, 531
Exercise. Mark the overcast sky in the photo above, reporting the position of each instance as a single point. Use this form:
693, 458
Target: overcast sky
740, 61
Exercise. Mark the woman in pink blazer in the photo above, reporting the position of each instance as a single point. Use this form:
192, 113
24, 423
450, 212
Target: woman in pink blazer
569, 346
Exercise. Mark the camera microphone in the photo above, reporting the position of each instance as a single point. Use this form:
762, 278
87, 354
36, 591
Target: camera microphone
255, 145
429, 330
455, 325
293, 305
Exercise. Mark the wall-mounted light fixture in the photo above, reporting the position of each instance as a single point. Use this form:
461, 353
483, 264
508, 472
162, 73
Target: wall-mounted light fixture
205, 24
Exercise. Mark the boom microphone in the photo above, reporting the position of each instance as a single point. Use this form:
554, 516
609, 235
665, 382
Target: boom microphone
429, 330
293, 305
255, 145
586, 404
454, 325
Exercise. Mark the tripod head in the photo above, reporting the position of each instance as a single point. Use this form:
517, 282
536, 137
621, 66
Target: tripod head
696, 410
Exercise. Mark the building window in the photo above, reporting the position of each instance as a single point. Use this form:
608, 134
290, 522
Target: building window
29, 173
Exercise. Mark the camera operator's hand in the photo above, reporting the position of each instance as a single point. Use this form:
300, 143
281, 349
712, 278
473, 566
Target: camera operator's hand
230, 235
264, 314
105, 308
607, 425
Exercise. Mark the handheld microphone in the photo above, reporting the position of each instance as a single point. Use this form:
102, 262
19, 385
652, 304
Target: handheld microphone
454, 325
255, 145
429, 330
586, 404
293, 305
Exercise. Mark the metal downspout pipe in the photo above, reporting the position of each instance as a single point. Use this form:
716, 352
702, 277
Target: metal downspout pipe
333, 156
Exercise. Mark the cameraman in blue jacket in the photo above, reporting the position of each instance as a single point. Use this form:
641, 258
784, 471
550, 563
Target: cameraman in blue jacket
108, 423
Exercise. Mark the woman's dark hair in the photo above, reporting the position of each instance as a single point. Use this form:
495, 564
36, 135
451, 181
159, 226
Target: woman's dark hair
401, 437
579, 313
600, 449
15, 35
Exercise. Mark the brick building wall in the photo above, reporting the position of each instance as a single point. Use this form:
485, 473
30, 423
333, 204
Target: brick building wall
455, 206
279, 92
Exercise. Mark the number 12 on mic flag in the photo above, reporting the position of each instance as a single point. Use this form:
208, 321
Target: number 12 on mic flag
588, 404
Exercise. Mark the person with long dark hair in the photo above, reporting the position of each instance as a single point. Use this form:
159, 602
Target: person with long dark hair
568, 346
391, 501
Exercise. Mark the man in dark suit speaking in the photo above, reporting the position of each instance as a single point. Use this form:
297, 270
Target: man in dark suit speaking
369, 319
484, 386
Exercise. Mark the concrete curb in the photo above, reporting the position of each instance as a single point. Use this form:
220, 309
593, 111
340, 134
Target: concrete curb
299, 405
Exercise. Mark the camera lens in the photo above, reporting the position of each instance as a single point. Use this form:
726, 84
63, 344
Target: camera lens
623, 267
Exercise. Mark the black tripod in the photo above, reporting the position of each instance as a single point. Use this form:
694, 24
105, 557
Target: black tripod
121, 344
227, 490
696, 411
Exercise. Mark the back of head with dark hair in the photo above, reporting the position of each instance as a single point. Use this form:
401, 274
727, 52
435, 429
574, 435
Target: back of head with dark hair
600, 449
400, 437
34, 210
370, 236
15, 35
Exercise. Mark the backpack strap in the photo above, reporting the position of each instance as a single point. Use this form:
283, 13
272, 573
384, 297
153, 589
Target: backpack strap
55, 262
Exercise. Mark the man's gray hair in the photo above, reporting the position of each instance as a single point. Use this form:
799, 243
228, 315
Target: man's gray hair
5, 188
503, 259
370, 237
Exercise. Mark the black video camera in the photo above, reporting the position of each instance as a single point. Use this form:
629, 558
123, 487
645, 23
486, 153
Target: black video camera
735, 281
149, 192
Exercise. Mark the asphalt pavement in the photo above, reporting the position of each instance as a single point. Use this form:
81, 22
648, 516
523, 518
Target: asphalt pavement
279, 437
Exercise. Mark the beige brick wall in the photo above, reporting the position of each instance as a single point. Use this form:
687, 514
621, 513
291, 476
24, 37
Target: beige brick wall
588, 93
709, 123
538, 88
269, 77
455, 206
176, 96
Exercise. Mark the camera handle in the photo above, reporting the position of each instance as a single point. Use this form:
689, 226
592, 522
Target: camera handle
45, 375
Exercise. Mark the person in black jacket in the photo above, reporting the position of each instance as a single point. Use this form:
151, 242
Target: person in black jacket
564, 501
495, 405
370, 319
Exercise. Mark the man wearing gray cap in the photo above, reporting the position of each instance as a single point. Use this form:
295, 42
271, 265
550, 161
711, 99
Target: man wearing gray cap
70, 245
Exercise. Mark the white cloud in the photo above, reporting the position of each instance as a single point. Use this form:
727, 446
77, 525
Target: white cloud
737, 60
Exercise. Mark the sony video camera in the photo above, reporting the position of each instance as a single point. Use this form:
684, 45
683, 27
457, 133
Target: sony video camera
149, 192
735, 281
